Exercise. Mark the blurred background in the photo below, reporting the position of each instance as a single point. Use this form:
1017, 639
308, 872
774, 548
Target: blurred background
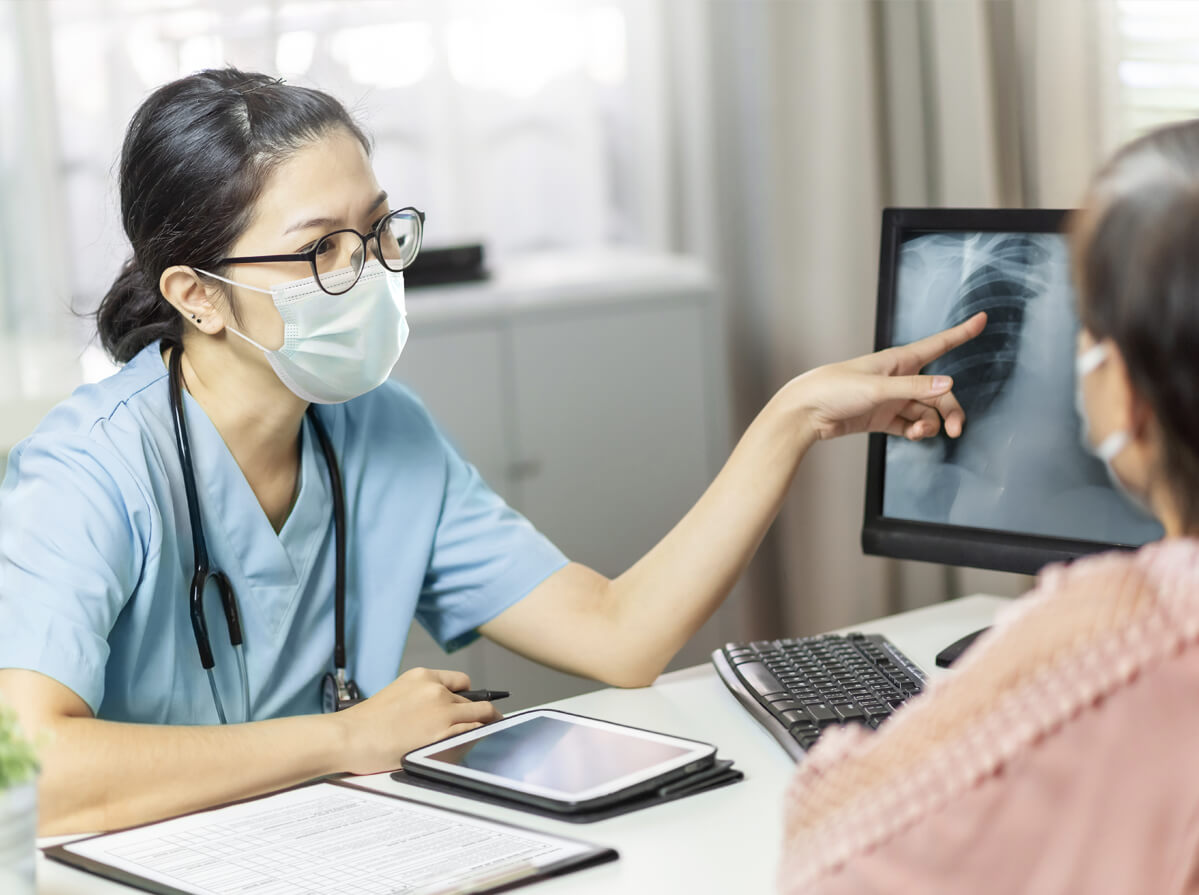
678, 200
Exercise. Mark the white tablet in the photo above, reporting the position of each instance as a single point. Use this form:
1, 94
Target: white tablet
560, 761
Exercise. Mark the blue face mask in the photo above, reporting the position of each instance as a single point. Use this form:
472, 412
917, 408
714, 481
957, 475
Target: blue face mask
1110, 447
336, 347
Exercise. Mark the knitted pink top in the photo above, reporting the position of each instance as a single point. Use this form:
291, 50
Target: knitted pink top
1063, 755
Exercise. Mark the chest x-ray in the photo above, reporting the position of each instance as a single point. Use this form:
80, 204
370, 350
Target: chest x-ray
1019, 465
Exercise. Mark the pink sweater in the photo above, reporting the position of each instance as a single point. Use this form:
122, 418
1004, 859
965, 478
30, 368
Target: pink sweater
1062, 757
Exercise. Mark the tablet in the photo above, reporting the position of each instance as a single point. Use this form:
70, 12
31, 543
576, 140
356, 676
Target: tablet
560, 761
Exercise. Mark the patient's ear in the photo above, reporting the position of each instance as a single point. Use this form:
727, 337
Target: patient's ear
1122, 403
202, 306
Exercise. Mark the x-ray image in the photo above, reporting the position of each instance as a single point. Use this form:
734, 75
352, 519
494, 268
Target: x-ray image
1019, 465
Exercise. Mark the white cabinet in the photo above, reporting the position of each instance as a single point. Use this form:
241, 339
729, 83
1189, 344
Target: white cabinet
590, 392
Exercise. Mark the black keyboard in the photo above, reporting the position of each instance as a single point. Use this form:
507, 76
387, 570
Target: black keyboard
797, 688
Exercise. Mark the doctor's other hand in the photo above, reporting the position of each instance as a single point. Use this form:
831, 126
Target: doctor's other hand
884, 391
417, 708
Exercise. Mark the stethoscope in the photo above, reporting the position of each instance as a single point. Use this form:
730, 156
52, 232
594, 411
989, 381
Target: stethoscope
337, 691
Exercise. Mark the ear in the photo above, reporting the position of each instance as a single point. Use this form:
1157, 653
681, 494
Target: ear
1135, 416
204, 307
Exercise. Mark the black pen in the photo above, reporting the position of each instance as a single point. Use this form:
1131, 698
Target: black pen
484, 695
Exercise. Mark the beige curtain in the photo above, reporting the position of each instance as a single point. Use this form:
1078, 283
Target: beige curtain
822, 113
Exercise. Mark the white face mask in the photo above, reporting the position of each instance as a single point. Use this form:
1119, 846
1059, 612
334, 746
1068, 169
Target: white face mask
1110, 447
336, 347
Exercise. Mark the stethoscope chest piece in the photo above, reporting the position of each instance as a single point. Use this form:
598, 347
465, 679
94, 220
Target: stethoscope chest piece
338, 693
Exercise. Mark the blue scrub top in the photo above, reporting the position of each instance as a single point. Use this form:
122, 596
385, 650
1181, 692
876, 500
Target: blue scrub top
96, 555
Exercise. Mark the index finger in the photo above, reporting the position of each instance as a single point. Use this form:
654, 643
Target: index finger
926, 350
452, 680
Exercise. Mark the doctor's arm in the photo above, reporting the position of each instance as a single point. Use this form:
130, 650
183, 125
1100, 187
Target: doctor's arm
102, 775
623, 631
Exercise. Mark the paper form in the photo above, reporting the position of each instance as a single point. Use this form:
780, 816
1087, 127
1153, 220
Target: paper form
326, 838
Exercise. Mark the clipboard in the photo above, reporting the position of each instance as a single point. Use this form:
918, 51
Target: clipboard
134, 856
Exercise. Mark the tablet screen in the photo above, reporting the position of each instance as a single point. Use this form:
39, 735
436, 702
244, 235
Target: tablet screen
558, 754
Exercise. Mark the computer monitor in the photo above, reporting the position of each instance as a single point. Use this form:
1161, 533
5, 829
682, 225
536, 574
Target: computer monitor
1017, 490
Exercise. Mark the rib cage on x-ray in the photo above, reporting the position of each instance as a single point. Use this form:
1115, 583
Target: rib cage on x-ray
1010, 272
1019, 466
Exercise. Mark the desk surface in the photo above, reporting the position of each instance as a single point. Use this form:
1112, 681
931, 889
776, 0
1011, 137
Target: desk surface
683, 846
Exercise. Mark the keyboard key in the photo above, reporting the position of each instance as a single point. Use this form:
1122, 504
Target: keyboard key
785, 705
759, 678
822, 714
849, 712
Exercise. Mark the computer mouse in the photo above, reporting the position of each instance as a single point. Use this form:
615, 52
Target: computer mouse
949, 655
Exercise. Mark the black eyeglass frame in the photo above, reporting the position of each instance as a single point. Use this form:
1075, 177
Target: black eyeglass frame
310, 255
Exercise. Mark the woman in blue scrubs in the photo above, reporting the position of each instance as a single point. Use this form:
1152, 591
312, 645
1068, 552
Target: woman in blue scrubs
267, 270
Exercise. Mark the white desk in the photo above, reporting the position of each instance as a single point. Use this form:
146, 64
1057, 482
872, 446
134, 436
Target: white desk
721, 841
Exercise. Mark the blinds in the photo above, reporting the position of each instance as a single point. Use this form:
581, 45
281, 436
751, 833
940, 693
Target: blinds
1158, 64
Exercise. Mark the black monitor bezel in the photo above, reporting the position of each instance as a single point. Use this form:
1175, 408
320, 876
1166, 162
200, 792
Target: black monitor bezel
926, 541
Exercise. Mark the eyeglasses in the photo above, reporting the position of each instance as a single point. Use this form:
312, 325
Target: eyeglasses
397, 238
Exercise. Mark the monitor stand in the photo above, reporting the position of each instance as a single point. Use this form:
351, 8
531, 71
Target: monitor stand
949, 655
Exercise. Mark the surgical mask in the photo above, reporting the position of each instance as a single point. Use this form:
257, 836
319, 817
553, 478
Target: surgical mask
1110, 447
336, 347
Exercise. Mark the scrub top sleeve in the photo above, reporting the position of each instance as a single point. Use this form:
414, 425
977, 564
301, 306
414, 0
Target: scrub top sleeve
72, 543
485, 557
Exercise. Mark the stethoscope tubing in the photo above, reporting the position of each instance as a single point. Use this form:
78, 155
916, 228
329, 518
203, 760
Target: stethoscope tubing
203, 571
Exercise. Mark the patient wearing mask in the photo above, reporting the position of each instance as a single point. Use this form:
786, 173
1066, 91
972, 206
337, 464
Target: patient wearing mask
1059, 757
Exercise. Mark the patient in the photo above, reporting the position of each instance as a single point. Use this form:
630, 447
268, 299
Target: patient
1061, 757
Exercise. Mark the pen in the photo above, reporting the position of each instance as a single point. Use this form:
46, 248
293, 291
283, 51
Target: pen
484, 695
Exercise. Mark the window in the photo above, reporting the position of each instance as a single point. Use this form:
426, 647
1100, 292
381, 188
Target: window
1158, 64
529, 124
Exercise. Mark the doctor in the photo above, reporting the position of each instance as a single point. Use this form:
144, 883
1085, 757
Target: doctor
243, 522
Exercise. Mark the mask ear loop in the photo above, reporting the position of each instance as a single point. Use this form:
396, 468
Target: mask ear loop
261, 348
1089, 361
1111, 446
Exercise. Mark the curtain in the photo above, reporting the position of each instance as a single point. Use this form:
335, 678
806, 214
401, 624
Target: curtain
822, 112
35, 308
39, 362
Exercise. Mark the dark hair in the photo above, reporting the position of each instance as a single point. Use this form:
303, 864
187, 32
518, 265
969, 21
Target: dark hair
1137, 268
195, 158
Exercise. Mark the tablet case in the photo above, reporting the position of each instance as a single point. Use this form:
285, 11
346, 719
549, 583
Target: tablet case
722, 773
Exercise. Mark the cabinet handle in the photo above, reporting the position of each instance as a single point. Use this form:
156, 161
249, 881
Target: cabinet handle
520, 470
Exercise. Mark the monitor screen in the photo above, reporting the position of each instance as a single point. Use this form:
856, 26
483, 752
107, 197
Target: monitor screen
1018, 489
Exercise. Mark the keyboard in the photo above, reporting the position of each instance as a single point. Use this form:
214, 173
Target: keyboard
798, 688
